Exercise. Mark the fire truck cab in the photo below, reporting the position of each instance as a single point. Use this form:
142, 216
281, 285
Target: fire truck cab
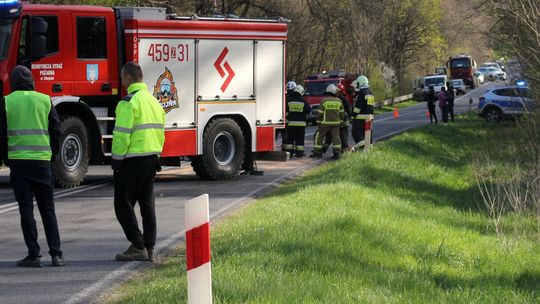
220, 81
315, 86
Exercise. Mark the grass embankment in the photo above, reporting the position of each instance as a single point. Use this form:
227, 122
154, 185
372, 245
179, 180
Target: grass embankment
402, 224
390, 108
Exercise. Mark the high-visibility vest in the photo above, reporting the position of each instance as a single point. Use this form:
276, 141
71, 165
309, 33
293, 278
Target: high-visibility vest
330, 112
28, 125
139, 128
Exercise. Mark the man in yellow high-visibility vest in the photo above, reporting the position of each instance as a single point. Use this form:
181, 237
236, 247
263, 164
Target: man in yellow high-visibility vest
138, 139
30, 140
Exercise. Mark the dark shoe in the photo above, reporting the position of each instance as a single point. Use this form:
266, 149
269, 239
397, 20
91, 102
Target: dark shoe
316, 155
132, 254
29, 261
300, 155
58, 261
337, 156
150, 253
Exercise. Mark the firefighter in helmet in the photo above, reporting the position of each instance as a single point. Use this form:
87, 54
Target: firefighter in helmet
363, 105
289, 87
296, 112
344, 127
329, 117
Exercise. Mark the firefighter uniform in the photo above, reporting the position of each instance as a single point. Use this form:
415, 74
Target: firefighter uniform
363, 105
343, 128
138, 139
30, 134
296, 112
329, 118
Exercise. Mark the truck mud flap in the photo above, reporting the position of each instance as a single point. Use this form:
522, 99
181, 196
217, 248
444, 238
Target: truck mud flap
279, 156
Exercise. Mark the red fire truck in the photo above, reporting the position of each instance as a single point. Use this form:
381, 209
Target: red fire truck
462, 67
220, 81
315, 86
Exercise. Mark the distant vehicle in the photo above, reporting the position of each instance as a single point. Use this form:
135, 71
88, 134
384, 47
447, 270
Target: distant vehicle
459, 86
505, 101
441, 71
437, 81
418, 89
479, 76
315, 86
462, 67
490, 65
492, 73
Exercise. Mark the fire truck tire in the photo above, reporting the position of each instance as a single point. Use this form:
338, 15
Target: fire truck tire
224, 150
71, 163
198, 168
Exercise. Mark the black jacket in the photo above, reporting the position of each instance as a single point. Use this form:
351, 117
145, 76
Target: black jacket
361, 102
297, 116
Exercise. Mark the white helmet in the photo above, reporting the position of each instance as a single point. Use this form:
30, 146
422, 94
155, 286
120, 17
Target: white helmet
299, 89
290, 85
362, 81
332, 89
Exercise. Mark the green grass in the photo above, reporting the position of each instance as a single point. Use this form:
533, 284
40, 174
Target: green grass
390, 108
402, 224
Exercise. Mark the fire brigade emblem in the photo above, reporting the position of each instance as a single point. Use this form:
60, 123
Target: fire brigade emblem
165, 91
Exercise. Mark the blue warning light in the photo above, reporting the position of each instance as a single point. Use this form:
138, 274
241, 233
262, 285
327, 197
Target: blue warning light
8, 2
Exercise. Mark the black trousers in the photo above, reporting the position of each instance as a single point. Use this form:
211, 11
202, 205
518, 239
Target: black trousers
450, 110
358, 130
432, 113
34, 178
294, 142
444, 111
134, 182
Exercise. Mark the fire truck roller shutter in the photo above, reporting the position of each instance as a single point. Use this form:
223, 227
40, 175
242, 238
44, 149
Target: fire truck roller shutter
224, 149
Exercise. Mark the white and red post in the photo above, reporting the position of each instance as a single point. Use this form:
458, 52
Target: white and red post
199, 274
368, 124
367, 132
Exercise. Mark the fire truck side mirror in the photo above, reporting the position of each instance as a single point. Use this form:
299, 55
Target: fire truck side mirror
38, 38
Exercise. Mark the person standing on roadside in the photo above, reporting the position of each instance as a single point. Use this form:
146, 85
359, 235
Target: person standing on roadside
442, 104
30, 140
329, 118
431, 98
363, 105
450, 97
344, 127
296, 113
138, 139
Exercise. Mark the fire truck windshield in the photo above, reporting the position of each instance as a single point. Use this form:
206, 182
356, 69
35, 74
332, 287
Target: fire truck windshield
318, 87
461, 63
5, 36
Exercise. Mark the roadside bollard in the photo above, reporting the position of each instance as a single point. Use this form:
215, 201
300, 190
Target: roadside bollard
199, 275
367, 132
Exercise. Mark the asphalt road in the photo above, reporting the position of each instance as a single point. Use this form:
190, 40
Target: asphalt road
91, 235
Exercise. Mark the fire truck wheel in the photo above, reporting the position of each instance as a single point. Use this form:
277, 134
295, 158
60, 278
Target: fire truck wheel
223, 149
72, 161
198, 168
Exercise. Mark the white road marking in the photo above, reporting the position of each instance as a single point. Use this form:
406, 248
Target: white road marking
93, 291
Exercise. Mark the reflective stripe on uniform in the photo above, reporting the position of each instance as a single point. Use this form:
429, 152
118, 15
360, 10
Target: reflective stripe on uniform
28, 132
356, 110
296, 106
148, 126
122, 130
29, 148
296, 123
